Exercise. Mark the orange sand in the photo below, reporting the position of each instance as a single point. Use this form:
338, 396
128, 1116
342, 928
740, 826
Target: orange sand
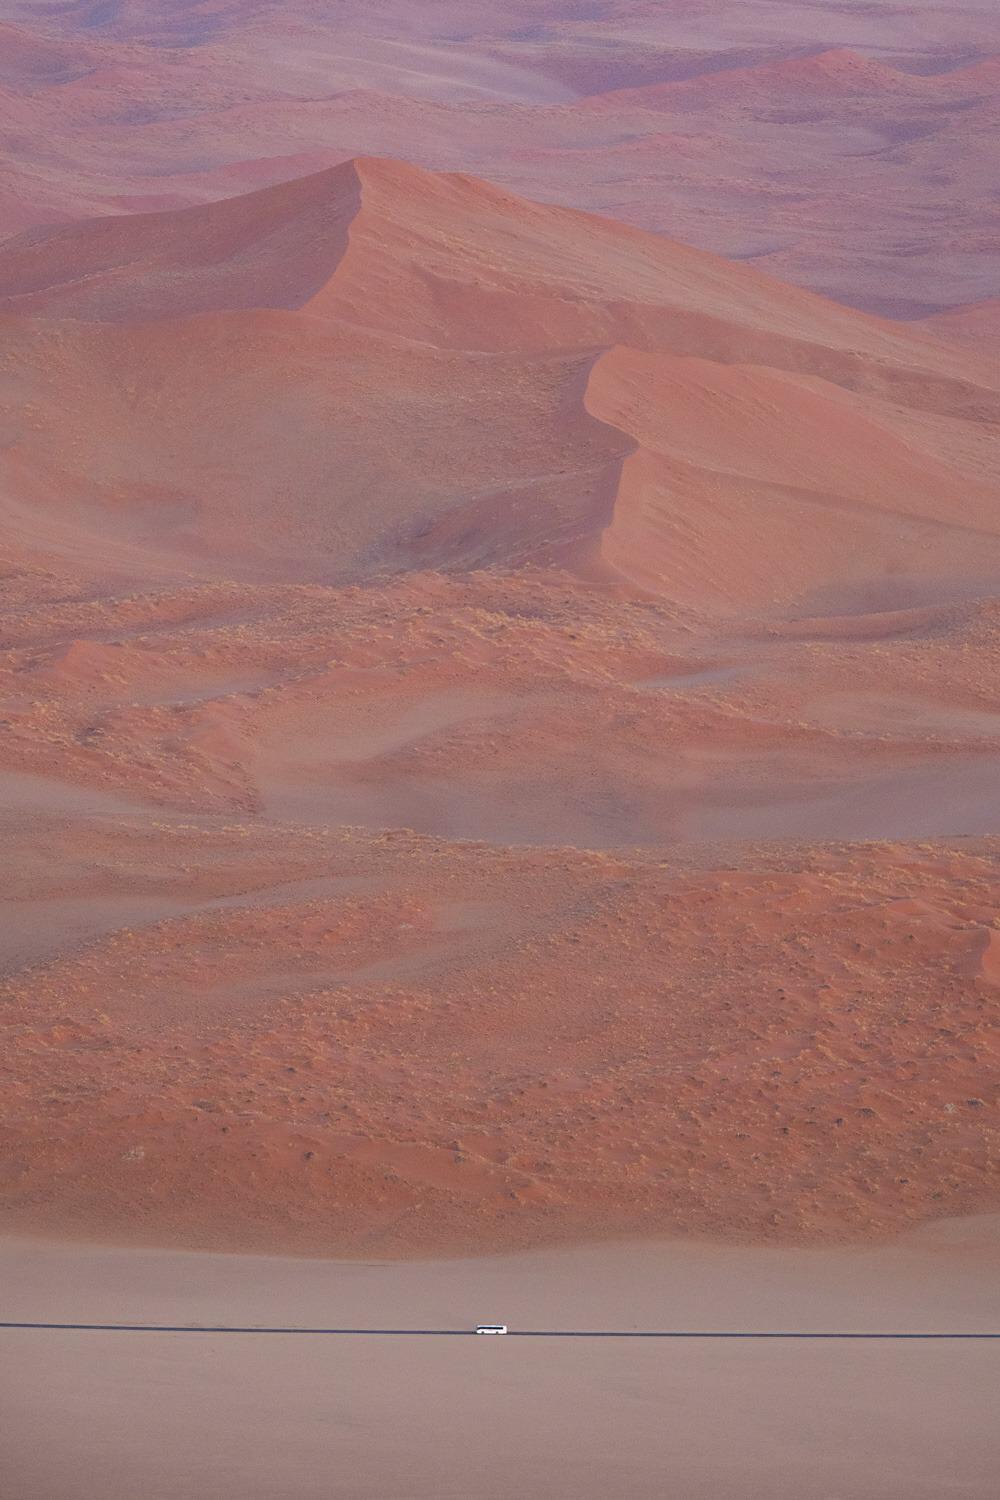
500, 741
849, 148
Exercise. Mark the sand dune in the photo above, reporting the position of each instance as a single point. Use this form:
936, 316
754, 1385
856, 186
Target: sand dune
388, 1044
499, 737
352, 320
499, 746
373, 1039
828, 146
977, 325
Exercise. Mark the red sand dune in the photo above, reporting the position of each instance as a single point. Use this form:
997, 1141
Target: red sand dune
499, 736
976, 325
376, 297
827, 144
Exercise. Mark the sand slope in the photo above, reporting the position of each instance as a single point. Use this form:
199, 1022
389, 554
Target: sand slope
828, 145
353, 322
499, 737
243, 1024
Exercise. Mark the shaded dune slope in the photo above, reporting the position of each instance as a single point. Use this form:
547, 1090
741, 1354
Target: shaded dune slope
352, 322
451, 645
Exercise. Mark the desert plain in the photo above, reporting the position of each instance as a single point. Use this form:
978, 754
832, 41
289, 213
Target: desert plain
243, 1417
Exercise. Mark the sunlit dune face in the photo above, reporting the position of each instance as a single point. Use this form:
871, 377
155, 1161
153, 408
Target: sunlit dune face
826, 144
499, 739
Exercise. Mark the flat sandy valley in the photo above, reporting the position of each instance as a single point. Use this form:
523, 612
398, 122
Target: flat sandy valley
98, 1416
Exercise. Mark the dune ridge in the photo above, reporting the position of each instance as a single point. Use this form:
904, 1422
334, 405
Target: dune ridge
407, 292
499, 741
827, 147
